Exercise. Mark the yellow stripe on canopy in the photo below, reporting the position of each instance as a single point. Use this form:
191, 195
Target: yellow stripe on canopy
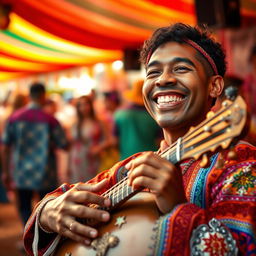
25, 29
20, 65
26, 51
5, 76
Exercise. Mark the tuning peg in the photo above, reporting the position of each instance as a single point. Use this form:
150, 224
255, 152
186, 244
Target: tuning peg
224, 144
225, 103
220, 162
207, 128
232, 155
231, 92
204, 162
210, 114
191, 128
226, 118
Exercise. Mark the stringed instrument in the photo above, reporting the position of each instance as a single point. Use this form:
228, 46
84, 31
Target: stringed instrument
133, 212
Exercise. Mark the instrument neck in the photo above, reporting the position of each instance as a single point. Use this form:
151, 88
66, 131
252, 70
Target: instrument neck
121, 192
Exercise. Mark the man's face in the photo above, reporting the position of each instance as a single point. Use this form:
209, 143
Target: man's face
175, 91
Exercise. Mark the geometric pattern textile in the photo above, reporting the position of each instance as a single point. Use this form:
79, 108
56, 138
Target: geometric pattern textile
33, 136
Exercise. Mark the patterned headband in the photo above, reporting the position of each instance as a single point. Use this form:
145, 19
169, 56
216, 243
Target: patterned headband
198, 48
204, 53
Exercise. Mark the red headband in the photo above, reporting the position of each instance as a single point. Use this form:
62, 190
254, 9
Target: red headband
198, 48
204, 53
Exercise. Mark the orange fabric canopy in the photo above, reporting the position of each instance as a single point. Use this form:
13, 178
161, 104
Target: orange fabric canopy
49, 35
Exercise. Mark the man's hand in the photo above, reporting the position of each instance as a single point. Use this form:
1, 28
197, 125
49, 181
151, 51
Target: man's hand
160, 176
59, 215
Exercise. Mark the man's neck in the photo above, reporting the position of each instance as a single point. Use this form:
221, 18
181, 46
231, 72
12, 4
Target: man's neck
171, 136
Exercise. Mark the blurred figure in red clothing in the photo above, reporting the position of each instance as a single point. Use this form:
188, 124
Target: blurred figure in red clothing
88, 139
110, 155
249, 93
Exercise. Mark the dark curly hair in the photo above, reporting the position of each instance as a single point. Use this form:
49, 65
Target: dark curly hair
180, 32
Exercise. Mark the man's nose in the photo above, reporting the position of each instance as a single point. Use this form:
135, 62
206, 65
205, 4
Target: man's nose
166, 78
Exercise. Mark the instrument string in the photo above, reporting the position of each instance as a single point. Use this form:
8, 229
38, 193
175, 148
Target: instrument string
115, 188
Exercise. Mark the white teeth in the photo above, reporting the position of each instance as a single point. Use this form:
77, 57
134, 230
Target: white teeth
167, 99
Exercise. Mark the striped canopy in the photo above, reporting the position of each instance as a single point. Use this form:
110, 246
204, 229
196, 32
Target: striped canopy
49, 35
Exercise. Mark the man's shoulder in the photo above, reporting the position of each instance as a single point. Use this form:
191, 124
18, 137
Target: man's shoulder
245, 150
121, 110
16, 115
242, 152
122, 114
245, 144
33, 115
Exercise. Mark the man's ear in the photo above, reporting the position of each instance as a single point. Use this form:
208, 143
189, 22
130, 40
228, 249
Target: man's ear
216, 86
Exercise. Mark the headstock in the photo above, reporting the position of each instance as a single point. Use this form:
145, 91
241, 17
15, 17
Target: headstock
217, 130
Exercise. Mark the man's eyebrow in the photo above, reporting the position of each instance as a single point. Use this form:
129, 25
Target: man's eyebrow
186, 60
174, 60
153, 63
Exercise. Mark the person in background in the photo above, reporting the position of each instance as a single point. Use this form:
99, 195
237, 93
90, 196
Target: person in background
50, 107
87, 140
110, 155
249, 93
28, 142
135, 129
14, 102
19, 101
203, 209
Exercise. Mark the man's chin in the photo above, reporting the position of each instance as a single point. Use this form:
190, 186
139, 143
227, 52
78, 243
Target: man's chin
174, 124
166, 123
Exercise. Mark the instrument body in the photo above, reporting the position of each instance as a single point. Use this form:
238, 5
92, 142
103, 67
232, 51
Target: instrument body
135, 235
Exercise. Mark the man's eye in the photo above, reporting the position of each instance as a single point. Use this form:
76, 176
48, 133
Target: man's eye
152, 72
181, 68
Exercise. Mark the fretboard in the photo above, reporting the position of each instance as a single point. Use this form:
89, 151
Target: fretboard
120, 193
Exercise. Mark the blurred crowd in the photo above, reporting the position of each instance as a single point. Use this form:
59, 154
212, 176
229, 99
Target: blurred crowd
46, 140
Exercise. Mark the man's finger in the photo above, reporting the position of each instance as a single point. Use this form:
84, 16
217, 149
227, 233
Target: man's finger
93, 187
87, 212
85, 197
148, 158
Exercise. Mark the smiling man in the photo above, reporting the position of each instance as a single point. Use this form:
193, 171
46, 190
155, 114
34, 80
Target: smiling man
202, 211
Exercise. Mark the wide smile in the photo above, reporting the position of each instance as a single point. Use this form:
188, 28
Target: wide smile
169, 100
